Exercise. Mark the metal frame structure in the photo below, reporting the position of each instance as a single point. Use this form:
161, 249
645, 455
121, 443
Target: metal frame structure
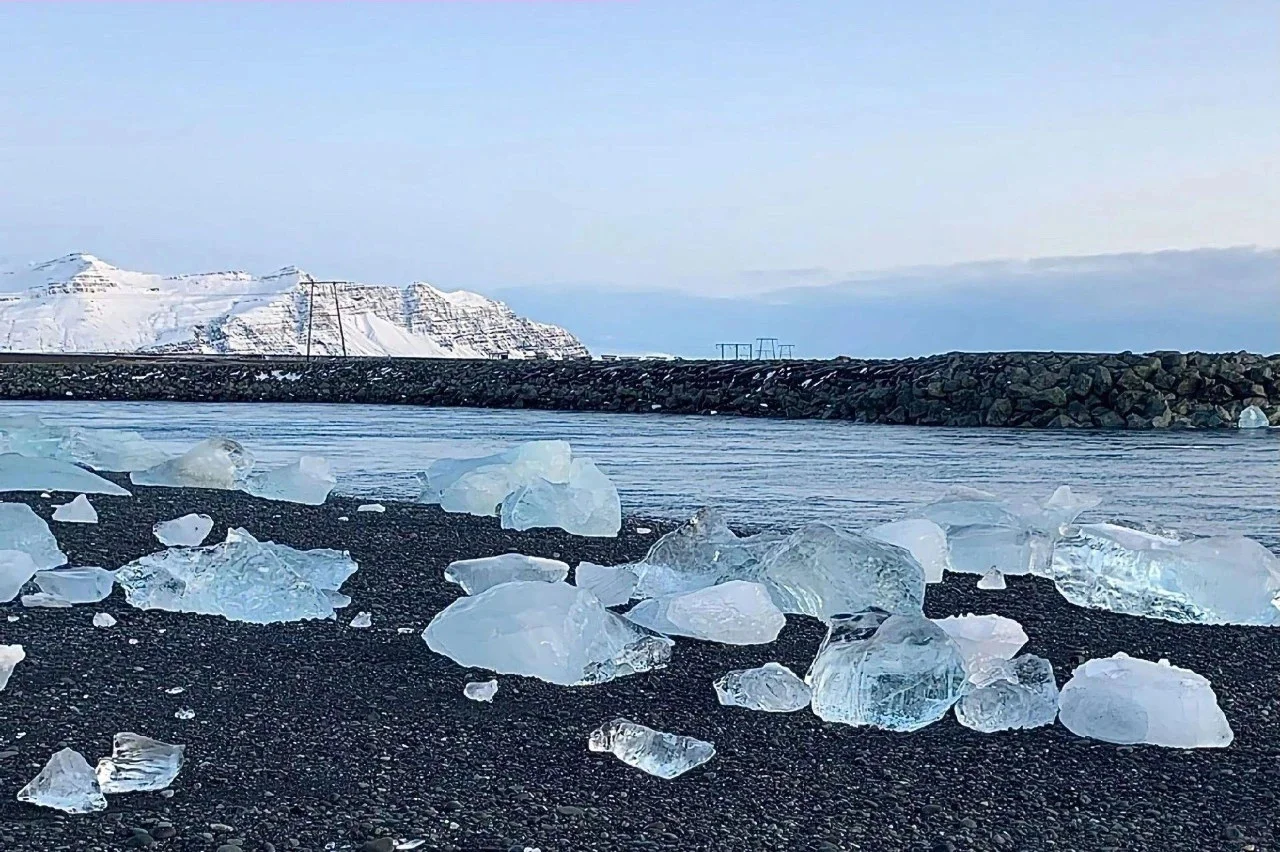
337, 307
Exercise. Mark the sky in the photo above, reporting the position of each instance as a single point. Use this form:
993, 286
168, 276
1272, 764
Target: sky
712, 148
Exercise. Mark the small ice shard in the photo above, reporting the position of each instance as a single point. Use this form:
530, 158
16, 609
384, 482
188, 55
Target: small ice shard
186, 714
822, 571
16, 568
362, 619
898, 672
78, 511
734, 613
77, 585
477, 575
371, 507
481, 690
992, 580
104, 619
1217, 580
175, 690
983, 637
217, 463
42, 599
25, 473
552, 631
337, 599
1253, 417
187, 531
612, 585
1006, 694
308, 480
139, 763
922, 538
479, 485
67, 783
643, 531
10, 656
773, 688
701, 553
657, 753
1125, 700
587, 504
24, 530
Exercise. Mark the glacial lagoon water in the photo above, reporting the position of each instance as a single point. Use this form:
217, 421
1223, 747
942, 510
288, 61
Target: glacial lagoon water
761, 472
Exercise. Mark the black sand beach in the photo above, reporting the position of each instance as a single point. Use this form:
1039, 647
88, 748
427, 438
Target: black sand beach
316, 736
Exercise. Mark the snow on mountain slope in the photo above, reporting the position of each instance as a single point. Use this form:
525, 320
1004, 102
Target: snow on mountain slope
79, 303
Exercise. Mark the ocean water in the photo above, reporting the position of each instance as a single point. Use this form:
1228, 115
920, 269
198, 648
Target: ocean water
764, 473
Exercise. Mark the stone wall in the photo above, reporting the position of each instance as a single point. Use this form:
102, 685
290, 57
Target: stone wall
1161, 390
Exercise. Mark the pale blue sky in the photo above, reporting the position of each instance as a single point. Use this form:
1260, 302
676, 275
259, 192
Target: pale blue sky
633, 144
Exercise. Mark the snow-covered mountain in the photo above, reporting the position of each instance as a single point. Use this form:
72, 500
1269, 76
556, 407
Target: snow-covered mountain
79, 303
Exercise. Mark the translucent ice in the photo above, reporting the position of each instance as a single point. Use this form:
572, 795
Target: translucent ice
992, 580
44, 599
735, 613
924, 539
772, 687
479, 485
612, 585
78, 511
241, 579
900, 672
371, 507
66, 783
477, 575
308, 480
587, 504
24, 530
1125, 700
701, 553
104, 619
1253, 417
218, 463
822, 571
362, 620
139, 763
100, 449
26, 473
1218, 580
657, 753
1005, 694
77, 585
481, 690
16, 568
187, 531
10, 656
552, 631
983, 637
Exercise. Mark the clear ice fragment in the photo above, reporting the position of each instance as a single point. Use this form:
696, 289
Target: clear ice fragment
67, 783
1253, 417
983, 637
477, 575
42, 599
922, 538
10, 656
612, 585
735, 613
77, 585
308, 480
26, 473
104, 619
587, 504
371, 507
188, 531
16, 568
186, 714
362, 619
481, 690
1006, 694
657, 753
993, 580
78, 511
701, 553
217, 463
23, 530
139, 763
773, 688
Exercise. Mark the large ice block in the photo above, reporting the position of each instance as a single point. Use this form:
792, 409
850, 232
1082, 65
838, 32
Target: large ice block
983, 637
552, 631
922, 538
477, 575
22, 529
655, 752
67, 783
613, 585
1006, 694
27, 473
308, 480
139, 763
188, 531
10, 656
899, 672
78, 511
217, 463
1125, 700
587, 504
734, 613
100, 449
773, 688
77, 585
701, 553
1253, 417
1217, 580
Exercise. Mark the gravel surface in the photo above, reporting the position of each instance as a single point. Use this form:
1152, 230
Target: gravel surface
317, 736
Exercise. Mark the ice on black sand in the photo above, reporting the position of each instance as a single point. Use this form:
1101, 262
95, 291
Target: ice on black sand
478, 575
188, 531
655, 752
66, 783
773, 688
10, 656
139, 763
481, 690
78, 511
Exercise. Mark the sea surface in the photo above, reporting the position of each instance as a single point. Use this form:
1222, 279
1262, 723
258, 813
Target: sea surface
763, 473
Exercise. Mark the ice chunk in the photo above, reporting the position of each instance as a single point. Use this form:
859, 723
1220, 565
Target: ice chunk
587, 504
701, 553
657, 753
479, 485
481, 690
66, 783
241, 579
772, 687
186, 714
139, 763
1218, 580
552, 631
362, 619
735, 613
77, 585
821, 571
217, 463
1004, 694
1125, 700
992, 580
308, 480
43, 599
22, 529
78, 511
109, 449
1253, 417
477, 575
922, 538
612, 585
25, 473
16, 568
104, 619
899, 672
983, 637
10, 656
1062, 508
187, 531
371, 507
